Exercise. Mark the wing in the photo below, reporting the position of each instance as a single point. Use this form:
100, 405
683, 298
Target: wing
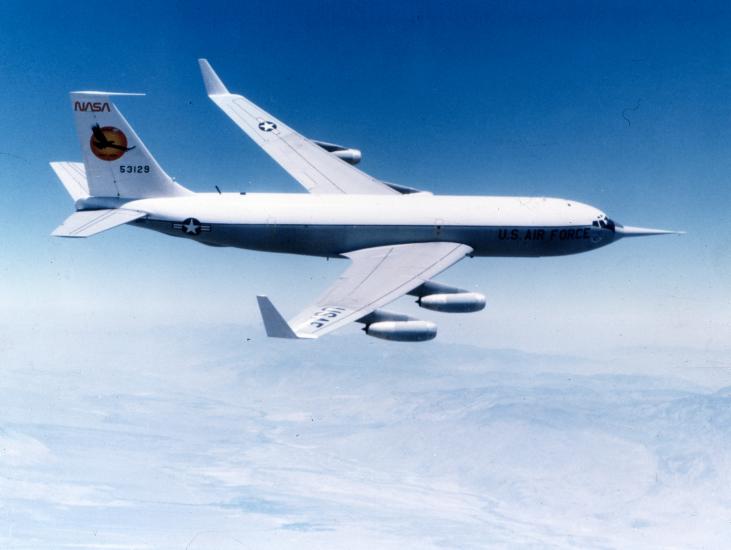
311, 165
375, 277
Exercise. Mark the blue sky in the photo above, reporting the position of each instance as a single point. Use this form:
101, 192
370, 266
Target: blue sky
591, 392
476, 99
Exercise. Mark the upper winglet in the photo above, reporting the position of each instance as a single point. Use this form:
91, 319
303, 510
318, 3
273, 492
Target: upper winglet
214, 86
274, 323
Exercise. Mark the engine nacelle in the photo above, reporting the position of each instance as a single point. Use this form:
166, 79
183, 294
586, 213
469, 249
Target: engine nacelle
351, 156
348, 154
402, 331
457, 302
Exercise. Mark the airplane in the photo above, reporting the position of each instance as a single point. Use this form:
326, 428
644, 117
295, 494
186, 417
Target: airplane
397, 238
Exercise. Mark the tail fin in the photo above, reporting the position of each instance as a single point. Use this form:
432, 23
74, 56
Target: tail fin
117, 163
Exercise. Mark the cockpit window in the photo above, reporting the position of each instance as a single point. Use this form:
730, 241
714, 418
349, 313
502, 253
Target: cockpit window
604, 223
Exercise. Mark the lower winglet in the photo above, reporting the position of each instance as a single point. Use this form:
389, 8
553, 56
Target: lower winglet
274, 323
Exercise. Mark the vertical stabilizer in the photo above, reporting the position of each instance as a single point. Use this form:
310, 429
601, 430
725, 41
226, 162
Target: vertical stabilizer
116, 161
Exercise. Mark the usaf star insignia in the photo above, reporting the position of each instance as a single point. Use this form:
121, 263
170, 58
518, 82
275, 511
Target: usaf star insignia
267, 126
191, 226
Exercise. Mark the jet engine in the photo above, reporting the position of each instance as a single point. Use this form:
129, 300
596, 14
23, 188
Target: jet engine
349, 155
448, 299
397, 327
402, 331
459, 302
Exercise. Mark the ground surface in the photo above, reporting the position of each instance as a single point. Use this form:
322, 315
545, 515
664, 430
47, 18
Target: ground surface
196, 438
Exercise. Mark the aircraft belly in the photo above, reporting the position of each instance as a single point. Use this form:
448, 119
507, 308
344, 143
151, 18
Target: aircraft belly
332, 240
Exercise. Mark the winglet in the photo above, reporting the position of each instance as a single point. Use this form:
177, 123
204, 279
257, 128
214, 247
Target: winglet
214, 86
274, 323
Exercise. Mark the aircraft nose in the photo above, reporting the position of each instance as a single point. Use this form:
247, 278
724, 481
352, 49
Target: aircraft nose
622, 231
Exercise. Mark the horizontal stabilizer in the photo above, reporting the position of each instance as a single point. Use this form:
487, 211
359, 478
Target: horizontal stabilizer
107, 94
274, 323
86, 223
73, 177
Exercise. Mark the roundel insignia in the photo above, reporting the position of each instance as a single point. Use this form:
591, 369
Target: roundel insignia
108, 143
191, 226
267, 126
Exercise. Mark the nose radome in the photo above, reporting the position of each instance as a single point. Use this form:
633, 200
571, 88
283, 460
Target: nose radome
630, 231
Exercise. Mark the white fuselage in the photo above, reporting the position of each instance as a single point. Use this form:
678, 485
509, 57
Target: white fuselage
330, 225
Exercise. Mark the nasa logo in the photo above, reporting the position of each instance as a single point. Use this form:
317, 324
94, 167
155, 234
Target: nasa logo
93, 106
108, 143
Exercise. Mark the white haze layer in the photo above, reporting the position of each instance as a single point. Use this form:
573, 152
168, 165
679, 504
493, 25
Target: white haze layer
194, 437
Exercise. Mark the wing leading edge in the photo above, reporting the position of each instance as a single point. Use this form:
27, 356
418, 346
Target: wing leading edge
311, 165
375, 277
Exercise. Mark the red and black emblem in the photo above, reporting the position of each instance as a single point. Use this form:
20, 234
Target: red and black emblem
108, 143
